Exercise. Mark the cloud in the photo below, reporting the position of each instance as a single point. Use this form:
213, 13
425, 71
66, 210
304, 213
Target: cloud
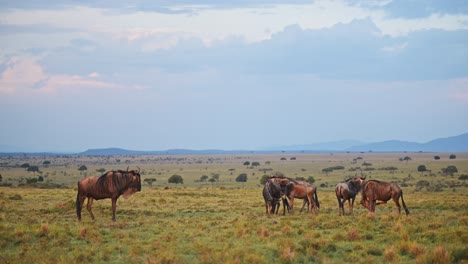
24, 75
415, 8
355, 51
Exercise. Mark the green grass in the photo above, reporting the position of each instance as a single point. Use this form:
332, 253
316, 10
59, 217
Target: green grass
200, 223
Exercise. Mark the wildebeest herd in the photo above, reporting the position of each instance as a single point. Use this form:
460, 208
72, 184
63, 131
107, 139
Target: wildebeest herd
277, 189
283, 189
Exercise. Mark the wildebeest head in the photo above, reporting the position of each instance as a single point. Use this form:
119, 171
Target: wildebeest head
286, 186
135, 182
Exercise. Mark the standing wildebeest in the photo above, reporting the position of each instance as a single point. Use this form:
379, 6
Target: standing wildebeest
300, 189
111, 184
383, 191
272, 195
347, 191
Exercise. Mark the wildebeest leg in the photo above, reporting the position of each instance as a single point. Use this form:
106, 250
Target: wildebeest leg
291, 205
340, 207
303, 205
277, 206
372, 206
285, 204
309, 202
114, 205
395, 199
79, 205
351, 204
88, 206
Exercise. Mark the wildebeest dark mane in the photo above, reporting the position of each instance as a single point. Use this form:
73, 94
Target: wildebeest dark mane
118, 182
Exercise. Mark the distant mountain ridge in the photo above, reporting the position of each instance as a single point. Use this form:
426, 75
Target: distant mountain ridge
450, 144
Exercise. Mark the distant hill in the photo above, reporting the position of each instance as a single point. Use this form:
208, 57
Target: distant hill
450, 144
326, 146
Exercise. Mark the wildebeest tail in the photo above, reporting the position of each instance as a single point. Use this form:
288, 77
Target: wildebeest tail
404, 205
316, 199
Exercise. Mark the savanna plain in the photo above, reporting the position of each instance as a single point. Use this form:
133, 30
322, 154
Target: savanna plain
213, 218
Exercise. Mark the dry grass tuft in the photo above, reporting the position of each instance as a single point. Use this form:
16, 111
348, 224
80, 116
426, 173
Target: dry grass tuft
416, 249
391, 255
44, 231
353, 235
263, 232
441, 255
83, 232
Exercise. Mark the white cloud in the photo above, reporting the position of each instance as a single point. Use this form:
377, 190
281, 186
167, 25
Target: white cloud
24, 75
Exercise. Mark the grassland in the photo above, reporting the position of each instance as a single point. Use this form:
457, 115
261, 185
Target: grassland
225, 221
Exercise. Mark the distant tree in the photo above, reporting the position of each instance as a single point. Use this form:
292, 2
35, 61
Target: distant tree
83, 168
327, 170
463, 177
241, 178
31, 180
101, 170
422, 168
292, 158
149, 181
215, 176
278, 174
40, 179
212, 180
176, 179
300, 178
246, 163
283, 158
203, 178
33, 169
406, 158
310, 180
450, 170
231, 171
25, 165
267, 162
264, 179
255, 163
452, 156
46, 162
437, 157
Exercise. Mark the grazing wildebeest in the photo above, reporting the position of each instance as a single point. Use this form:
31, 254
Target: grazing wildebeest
300, 189
111, 185
348, 190
272, 195
383, 191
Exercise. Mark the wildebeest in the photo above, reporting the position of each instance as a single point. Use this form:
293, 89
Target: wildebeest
300, 189
382, 191
348, 190
111, 185
272, 195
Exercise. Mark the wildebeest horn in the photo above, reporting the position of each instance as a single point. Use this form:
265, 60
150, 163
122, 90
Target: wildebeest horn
127, 168
138, 169
363, 178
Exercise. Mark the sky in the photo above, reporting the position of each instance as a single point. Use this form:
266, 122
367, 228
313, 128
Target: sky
216, 74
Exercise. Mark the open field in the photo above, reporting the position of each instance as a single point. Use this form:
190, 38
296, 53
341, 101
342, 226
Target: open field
224, 221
